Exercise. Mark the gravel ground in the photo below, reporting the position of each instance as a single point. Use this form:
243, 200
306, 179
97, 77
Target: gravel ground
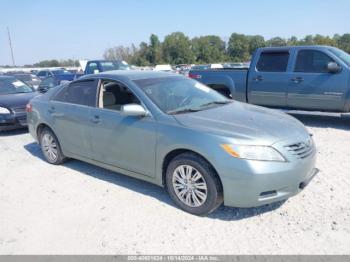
78, 208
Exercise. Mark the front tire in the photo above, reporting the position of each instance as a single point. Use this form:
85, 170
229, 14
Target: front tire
50, 147
193, 184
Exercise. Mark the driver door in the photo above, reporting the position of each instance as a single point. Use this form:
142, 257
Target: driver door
127, 142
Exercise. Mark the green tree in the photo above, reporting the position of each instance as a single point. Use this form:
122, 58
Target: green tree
177, 49
323, 40
119, 53
238, 47
208, 49
276, 41
48, 63
142, 55
293, 41
344, 42
154, 50
255, 41
308, 40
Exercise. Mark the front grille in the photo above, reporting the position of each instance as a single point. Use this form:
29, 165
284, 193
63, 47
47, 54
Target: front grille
301, 150
19, 110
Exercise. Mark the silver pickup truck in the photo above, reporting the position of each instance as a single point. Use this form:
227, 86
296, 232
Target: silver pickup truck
313, 78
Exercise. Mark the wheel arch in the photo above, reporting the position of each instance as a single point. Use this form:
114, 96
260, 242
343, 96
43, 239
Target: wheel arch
176, 152
40, 127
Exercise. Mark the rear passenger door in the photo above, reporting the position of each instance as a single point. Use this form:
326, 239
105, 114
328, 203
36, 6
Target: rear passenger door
268, 81
311, 86
70, 114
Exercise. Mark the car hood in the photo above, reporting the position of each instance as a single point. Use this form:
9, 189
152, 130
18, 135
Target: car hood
244, 123
16, 100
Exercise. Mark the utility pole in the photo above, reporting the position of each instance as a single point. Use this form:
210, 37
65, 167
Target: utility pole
13, 58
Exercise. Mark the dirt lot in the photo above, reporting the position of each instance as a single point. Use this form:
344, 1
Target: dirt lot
78, 208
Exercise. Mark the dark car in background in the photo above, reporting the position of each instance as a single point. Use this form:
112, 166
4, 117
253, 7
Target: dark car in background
14, 96
29, 79
54, 72
51, 81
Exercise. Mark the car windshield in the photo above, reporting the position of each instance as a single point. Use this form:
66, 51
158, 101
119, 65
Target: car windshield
345, 57
175, 95
13, 86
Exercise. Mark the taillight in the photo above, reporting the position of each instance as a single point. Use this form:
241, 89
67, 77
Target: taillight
195, 76
29, 108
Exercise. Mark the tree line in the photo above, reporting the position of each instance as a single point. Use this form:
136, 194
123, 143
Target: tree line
52, 63
177, 48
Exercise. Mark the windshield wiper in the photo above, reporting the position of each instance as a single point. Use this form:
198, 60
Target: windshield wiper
185, 110
222, 102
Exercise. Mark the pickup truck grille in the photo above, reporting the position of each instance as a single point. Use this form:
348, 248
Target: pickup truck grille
302, 150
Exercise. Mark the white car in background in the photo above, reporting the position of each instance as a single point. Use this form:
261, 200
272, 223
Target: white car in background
163, 68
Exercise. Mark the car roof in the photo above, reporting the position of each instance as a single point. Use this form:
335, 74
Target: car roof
134, 74
104, 60
284, 48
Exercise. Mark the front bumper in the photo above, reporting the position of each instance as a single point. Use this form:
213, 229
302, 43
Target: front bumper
13, 121
249, 183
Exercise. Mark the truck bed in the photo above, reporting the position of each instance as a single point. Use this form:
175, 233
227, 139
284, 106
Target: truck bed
224, 81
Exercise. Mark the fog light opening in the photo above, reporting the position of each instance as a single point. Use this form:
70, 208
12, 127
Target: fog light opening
268, 193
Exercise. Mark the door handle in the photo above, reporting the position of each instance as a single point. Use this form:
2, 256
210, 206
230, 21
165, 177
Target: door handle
297, 79
96, 119
258, 78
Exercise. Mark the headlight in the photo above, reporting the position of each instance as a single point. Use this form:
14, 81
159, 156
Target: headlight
262, 153
4, 110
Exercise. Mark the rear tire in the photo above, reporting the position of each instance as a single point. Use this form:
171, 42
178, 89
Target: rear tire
50, 147
193, 184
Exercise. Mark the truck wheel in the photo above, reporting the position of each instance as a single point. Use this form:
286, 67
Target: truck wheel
51, 147
193, 184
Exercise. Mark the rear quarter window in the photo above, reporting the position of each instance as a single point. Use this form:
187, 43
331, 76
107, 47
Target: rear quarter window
273, 62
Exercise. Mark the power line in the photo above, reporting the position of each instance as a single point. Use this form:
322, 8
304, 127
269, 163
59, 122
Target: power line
13, 58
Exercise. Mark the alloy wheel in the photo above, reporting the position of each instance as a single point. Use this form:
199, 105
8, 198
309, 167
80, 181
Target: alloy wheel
189, 186
49, 146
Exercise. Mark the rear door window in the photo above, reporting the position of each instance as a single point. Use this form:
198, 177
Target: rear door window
273, 62
81, 93
312, 61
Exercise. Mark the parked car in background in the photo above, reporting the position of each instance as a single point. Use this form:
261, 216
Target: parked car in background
236, 65
200, 67
302, 77
175, 132
206, 67
51, 82
14, 96
164, 68
54, 72
99, 66
29, 79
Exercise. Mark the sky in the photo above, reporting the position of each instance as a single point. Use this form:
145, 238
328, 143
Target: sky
83, 29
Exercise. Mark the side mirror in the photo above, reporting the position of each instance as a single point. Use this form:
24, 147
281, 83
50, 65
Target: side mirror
133, 110
333, 67
96, 71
